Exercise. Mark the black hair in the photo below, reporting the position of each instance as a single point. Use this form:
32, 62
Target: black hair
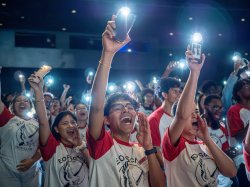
174, 108
237, 87
167, 83
200, 96
209, 98
145, 92
116, 97
206, 85
11, 106
57, 121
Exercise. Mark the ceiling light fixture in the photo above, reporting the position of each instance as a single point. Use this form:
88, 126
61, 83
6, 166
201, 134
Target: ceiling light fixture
73, 11
4, 4
64, 29
219, 34
190, 18
243, 19
171, 34
1, 24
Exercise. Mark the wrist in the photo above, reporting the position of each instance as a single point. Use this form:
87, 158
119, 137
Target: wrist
150, 151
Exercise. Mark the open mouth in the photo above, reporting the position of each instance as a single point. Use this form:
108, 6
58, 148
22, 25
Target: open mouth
71, 132
195, 123
126, 120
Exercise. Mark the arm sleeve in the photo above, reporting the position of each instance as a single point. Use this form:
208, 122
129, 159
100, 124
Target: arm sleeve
97, 148
155, 132
235, 124
5, 116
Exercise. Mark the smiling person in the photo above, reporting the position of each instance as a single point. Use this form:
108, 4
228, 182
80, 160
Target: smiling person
64, 153
19, 151
189, 162
82, 116
115, 160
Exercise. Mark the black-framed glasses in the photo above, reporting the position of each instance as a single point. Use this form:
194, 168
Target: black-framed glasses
216, 107
118, 107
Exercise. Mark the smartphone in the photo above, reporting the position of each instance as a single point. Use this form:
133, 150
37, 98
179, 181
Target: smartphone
123, 23
196, 50
43, 71
136, 123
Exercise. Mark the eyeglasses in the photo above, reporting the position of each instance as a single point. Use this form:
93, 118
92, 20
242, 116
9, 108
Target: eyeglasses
120, 107
81, 109
20, 100
216, 107
66, 123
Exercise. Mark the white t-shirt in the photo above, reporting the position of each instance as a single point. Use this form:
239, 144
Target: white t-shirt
159, 121
63, 165
188, 164
115, 163
18, 139
82, 132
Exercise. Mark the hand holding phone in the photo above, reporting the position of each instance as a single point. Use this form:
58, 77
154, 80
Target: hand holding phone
196, 46
42, 72
124, 23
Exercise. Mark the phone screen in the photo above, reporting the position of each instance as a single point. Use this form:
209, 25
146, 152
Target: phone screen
196, 50
123, 26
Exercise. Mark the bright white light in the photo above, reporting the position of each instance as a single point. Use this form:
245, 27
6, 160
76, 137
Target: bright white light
21, 76
236, 56
197, 37
87, 98
91, 73
4, 4
242, 19
73, 11
248, 73
238, 146
223, 119
27, 94
224, 82
129, 50
170, 54
155, 80
190, 18
111, 88
64, 29
219, 34
181, 65
129, 86
125, 11
30, 114
171, 34
50, 81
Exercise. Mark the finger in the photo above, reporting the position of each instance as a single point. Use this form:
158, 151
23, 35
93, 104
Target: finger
110, 29
188, 48
107, 32
112, 24
113, 17
203, 57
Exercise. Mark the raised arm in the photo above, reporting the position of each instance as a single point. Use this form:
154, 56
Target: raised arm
225, 164
64, 94
44, 128
186, 101
1, 102
110, 47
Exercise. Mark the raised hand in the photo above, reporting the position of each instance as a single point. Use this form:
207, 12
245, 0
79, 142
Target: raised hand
66, 86
202, 131
108, 42
36, 82
144, 136
192, 63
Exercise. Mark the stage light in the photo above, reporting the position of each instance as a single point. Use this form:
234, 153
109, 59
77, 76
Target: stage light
197, 37
125, 11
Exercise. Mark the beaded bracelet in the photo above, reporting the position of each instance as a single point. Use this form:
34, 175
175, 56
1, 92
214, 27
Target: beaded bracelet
105, 65
42, 99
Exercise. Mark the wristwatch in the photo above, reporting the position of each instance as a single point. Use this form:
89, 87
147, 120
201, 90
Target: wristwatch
151, 151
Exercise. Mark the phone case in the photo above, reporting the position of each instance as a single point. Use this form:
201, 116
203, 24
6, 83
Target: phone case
123, 26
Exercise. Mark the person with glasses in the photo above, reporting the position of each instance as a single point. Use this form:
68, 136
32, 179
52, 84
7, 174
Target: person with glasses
64, 153
19, 153
212, 113
82, 116
188, 161
115, 161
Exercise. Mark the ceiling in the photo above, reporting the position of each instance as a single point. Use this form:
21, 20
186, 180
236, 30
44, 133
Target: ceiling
223, 23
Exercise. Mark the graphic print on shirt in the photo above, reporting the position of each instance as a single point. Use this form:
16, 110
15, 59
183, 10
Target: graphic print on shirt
25, 136
73, 171
205, 173
131, 173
